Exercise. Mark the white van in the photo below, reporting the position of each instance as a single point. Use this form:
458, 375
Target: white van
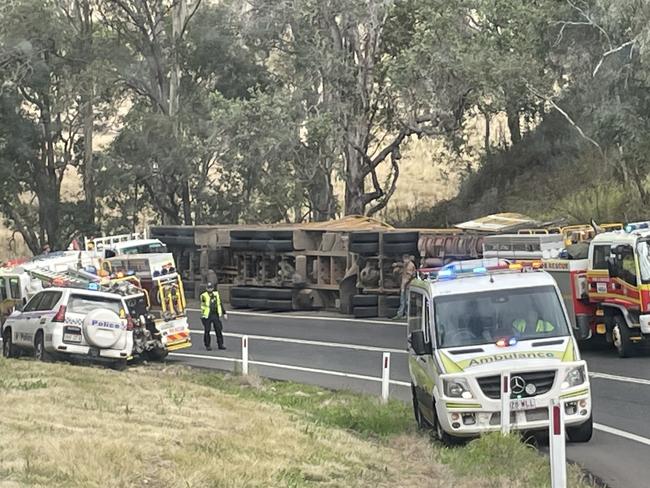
467, 325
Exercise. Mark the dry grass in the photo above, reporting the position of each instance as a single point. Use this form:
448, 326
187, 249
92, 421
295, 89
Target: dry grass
70, 426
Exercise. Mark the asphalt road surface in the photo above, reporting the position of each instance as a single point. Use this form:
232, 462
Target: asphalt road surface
618, 454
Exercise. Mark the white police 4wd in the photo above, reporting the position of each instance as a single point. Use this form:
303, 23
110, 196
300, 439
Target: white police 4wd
466, 325
71, 321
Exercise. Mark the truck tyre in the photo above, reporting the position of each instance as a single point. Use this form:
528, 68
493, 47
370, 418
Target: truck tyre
364, 300
257, 302
582, 432
400, 237
365, 312
392, 301
366, 237
621, 335
239, 302
39, 348
9, 350
240, 292
270, 246
400, 248
279, 293
420, 421
365, 248
279, 305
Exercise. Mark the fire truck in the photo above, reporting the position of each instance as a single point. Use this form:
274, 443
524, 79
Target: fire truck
605, 283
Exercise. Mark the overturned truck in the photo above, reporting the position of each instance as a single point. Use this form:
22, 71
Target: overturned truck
352, 265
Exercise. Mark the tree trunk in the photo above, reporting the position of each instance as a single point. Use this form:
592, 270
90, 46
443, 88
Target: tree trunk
187, 204
355, 187
87, 102
514, 126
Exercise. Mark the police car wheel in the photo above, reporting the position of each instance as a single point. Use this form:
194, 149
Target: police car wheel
582, 432
39, 348
8, 349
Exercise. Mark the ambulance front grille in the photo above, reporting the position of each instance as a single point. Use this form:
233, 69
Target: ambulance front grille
543, 381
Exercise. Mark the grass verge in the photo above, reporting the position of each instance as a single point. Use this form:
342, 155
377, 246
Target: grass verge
72, 426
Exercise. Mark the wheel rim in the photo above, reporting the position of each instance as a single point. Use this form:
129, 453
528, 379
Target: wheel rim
39, 350
6, 345
616, 333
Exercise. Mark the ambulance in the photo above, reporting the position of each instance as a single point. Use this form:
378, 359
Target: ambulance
469, 322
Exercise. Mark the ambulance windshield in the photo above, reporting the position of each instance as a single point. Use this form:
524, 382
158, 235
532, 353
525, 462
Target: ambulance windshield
470, 319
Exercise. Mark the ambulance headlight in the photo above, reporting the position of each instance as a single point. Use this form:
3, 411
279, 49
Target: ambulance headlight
457, 388
574, 377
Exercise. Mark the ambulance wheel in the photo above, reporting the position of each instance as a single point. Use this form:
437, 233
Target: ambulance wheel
417, 413
442, 436
581, 433
621, 337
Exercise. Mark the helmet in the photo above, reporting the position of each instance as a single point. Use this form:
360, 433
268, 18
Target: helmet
209, 286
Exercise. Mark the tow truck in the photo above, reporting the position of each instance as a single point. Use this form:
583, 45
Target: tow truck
465, 329
605, 285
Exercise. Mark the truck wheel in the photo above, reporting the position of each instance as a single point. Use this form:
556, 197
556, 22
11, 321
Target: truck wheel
417, 413
365, 312
364, 300
582, 432
9, 350
621, 336
39, 348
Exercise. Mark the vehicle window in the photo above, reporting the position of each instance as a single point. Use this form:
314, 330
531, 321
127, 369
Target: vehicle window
415, 312
625, 263
87, 303
34, 302
14, 287
601, 253
50, 299
3, 289
485, 317
152, 248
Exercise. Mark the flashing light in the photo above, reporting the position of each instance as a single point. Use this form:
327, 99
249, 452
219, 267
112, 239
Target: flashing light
93, 286
515, 266
480, 270
130, 273
506, 342
636, 226
537, 264
120, 274
446, 274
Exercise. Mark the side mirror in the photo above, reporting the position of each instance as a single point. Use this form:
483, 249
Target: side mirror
19, 307
418, 344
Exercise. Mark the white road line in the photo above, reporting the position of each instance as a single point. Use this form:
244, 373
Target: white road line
356, 347
624, 379
622, 433
290, 367
307, 317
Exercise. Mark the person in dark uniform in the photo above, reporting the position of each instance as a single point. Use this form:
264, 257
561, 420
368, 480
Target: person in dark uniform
212, 310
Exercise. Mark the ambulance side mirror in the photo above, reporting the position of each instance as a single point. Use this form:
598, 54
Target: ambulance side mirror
418, 344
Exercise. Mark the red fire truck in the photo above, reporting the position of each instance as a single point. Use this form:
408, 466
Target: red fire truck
606, 287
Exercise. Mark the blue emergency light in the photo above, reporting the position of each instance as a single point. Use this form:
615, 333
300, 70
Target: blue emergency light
446, 274
93, 286
480, 270
636, 226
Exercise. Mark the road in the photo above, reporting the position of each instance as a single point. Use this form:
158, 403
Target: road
618, 453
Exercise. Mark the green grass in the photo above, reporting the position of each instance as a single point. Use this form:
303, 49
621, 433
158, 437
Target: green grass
506, 460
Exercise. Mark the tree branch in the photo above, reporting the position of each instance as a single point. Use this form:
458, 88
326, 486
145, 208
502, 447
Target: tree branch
609, 53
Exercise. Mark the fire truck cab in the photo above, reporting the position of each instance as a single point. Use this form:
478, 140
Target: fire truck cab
618, 280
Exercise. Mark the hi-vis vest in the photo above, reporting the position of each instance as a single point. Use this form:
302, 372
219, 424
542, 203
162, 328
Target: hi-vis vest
541, 326
205, 303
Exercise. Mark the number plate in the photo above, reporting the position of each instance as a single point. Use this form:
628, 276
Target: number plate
601, 287
71, 338
522, 404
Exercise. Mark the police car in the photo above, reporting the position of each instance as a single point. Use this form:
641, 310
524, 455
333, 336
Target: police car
76, 322
471, 321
